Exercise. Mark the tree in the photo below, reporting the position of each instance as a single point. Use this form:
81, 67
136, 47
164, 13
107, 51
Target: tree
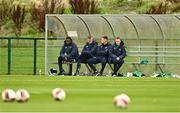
84, 6
42, 7
18, 13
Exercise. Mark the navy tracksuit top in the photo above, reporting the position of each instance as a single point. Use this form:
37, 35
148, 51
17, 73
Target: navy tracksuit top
90, 48
103, 50
70, 51
117, 51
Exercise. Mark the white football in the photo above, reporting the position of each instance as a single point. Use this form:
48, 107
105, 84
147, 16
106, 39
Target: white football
22, 95
58, 94
8, 95
122, 101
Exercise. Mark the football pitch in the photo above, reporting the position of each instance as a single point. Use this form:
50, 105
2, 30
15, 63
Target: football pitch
93, 94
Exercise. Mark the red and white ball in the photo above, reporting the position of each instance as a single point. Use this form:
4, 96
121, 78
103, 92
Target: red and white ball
22, 95
8, 95
58, 94
122, 101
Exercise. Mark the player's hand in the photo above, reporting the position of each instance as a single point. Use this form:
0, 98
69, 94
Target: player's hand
117, 58
65, 58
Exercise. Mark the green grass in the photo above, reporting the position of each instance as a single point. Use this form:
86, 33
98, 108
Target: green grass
22, 60
93, 94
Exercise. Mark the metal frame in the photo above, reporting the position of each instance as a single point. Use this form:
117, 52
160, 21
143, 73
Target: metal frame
85, 24
46, 42
62, 25
137, 36
163, 54
109, 25
9, 48
178, 17
163, 37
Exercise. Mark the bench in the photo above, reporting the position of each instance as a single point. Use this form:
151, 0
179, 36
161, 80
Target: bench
143, 54
153, 54
74, 62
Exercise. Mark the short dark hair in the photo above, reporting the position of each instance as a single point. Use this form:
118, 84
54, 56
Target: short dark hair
118, 38
89, 37
105, 37
68, 37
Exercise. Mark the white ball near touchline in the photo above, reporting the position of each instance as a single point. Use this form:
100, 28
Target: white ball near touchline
58, 94
22, 95
122, 101
8, 95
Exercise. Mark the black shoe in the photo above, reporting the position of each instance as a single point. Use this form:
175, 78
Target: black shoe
120, 75
61, 72
70, 74
114, 75
97, 74
76, 74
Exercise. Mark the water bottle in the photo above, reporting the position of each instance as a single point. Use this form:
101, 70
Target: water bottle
109, 73
40, 72
129, 74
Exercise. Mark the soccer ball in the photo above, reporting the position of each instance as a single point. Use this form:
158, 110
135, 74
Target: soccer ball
122, 101
22, 95
58, 94
8, 95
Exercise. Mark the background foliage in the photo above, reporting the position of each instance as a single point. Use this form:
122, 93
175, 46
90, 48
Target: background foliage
22, 18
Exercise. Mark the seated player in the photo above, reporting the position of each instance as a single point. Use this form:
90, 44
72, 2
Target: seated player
101, 56
68, 54
117, 54
87, 53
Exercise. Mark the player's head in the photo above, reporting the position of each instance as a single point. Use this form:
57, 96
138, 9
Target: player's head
68, 40
104, 40
89, 39
117, 40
